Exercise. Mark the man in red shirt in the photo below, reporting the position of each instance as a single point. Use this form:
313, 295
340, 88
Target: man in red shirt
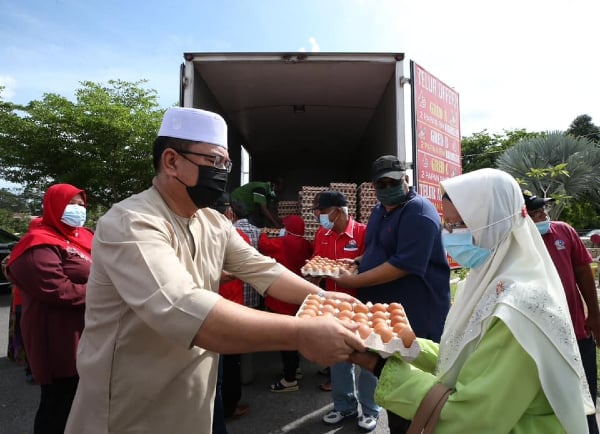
341, 237
572, 261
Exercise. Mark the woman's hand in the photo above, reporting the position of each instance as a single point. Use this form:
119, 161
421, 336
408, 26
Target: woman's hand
366, 360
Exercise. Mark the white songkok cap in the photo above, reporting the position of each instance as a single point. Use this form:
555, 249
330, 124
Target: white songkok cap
195, 125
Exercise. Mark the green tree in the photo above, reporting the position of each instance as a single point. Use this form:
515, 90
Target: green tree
481, 150
555, 165
583, 126
101, 142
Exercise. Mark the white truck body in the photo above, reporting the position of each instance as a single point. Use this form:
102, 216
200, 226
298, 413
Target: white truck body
312, 118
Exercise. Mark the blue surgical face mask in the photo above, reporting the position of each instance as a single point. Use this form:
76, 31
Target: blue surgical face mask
74, 216
543, 227
282, 232
391, 196
325, 222
459, 245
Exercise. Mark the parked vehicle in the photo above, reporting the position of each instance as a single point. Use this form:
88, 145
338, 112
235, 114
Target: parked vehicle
309, 117
7, 242
591, 238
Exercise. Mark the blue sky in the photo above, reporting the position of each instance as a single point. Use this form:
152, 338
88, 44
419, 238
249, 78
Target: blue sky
516, 64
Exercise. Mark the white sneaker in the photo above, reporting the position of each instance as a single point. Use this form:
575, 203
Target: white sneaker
367, 423
335, 417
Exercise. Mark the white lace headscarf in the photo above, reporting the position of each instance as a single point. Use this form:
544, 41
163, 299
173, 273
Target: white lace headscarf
518, 284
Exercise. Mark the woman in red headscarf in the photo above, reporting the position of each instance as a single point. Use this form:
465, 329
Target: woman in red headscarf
50, 266
292, 250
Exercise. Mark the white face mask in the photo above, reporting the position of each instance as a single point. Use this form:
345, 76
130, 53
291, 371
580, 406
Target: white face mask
74, 215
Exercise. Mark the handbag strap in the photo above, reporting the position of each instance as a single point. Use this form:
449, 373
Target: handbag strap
429, 410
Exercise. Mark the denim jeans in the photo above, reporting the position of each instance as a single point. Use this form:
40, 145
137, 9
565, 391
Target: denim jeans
344, 393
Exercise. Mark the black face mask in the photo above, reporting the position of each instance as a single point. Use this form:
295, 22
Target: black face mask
209, 187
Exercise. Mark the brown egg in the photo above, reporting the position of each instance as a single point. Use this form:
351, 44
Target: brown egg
360, 317
364, 331
312, 302
397, 319
378, 307
385, 333
393, 306
345, 315
376, 321
361, 308
379, 314
328, 308
407, 336
330, 302
344, 306
314, 307
313, 297
399, 328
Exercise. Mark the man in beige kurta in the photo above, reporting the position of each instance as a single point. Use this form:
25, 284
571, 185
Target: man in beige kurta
154, 322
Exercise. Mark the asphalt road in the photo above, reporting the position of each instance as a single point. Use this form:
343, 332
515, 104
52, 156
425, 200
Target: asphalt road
292, 412
270, 413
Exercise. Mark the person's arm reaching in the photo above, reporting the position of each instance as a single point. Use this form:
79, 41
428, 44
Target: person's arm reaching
584, 276
232, 328
383, 273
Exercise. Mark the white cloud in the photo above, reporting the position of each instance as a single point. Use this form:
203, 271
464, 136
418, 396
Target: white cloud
10, 84
314, 45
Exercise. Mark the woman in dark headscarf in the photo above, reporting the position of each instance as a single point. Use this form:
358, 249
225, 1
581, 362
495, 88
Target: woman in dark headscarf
50, 265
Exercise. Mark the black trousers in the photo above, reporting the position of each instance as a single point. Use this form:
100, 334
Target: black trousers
55, 405
291, 361
397, 424
231, 386
218, 426
587, 350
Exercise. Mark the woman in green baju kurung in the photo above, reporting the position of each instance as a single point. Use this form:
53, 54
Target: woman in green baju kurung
508, 350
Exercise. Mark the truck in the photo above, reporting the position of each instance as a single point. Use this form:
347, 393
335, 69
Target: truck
310, 118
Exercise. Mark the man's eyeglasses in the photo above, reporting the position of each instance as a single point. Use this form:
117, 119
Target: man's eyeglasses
451, 226
218, 161
540, 212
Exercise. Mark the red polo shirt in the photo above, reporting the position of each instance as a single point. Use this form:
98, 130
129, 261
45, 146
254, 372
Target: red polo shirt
568, 252
348, 244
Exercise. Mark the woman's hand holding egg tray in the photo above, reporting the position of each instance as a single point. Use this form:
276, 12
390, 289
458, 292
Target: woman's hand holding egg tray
326, 267
383, 327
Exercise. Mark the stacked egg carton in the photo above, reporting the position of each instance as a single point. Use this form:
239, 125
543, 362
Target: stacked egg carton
349, 190
366, 201
307, 196
288, 207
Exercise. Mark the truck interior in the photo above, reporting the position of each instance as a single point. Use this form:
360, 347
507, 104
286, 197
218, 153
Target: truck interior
311, 118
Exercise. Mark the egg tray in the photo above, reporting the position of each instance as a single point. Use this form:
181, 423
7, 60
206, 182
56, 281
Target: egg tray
385, 342
326, 267
323, 273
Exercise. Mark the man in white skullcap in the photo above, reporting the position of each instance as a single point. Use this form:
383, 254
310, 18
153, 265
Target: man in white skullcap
155, 324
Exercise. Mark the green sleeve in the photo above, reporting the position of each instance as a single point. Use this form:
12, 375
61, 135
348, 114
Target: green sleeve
498, 390
428, 356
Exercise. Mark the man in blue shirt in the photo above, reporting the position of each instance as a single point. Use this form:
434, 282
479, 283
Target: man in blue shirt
404, 259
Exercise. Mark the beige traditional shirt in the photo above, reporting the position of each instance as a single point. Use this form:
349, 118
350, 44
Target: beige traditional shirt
154, 280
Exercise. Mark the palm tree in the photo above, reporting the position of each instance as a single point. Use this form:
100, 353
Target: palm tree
555, 165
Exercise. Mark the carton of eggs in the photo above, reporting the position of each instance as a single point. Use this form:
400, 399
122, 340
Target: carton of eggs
383, 326
326, 267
